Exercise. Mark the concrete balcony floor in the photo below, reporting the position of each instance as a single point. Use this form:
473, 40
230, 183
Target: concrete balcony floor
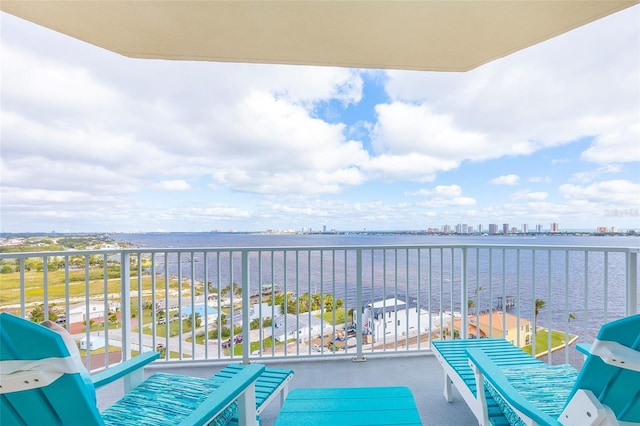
421, 373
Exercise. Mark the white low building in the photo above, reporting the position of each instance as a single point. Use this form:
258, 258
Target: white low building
394, 317
264, 310
287, 327
80, 312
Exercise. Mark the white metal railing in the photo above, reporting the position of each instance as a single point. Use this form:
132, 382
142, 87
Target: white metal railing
354, 301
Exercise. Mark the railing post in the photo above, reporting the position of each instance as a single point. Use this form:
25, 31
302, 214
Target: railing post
125, 304
359, 356
632, 282
464, 304
246, 295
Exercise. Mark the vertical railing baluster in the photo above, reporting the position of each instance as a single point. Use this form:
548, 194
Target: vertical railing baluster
395, 296
441, 293
566, 306
419, 299
125, 304
166, 306
311, 299
246, 295
87, 318
606, 287
297, 278
140, 306
105, 319
67, 303
358, 310
504, 294
45, 283
550, 310
632, 283
179, 318
23, 290
586, 290
518, 325
286, 302
533, 297
193, 306
154, 306
490, 293
464, 304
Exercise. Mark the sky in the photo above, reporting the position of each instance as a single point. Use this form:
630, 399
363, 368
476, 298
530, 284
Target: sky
92, 141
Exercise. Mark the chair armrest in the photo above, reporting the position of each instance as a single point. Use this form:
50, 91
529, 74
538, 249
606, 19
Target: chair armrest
240, 387
493, 374
123, 369
584, 348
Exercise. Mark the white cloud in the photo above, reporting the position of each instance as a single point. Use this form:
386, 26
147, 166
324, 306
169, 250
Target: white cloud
411, 167
174, 185
209, 213
404, 129
443, 196
87, 133
615, 193
581, 84
589, 176
532, 196
506, 180
50, 86
621, 145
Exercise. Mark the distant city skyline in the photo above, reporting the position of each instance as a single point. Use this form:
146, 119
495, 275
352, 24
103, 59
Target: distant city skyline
96, 142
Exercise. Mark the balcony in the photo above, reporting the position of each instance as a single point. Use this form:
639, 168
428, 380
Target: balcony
339, 316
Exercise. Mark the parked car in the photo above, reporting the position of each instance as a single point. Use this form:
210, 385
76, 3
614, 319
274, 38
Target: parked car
236, 339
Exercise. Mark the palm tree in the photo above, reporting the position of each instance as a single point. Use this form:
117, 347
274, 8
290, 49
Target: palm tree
538, 305
470, 305
566, 334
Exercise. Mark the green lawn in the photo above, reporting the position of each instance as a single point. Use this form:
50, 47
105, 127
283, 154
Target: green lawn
34, 285
542, 341
340, 315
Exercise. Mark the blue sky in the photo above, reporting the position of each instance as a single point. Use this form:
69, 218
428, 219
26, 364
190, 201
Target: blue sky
93, 141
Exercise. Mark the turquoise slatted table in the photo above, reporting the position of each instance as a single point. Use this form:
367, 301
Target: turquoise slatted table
349, 407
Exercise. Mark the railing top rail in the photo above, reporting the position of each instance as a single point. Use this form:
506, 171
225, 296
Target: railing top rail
530, 247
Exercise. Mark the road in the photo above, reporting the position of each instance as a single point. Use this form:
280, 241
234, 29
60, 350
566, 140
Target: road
176, 343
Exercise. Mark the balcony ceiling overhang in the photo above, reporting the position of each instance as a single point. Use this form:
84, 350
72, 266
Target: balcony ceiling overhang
411, 35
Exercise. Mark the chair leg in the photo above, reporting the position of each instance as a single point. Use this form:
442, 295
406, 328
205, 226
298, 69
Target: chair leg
480, 410
247, 415
447, 389
283, 393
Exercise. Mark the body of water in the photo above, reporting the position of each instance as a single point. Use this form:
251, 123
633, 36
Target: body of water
588, 285
223, 239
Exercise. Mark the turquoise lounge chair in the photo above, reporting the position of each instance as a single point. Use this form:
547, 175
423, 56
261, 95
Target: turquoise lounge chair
452, 355
272, 383
606, 391
43, 382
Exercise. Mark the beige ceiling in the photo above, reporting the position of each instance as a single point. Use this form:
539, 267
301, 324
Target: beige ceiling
414, 35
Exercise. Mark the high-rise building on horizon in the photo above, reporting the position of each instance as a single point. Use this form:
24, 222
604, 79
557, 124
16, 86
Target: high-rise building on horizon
525, 228
505, 229
554, 227
538, 229
493, 229
462, 228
